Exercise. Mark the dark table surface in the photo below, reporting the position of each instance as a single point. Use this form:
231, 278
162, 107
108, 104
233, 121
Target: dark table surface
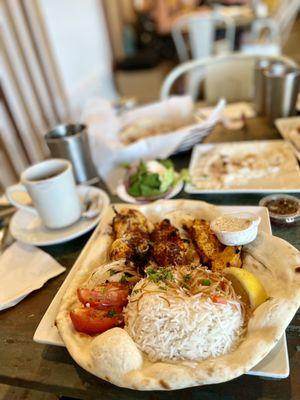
47, 368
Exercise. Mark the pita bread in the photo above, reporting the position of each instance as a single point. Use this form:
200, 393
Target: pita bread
113, 355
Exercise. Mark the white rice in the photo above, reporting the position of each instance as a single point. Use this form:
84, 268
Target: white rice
166, 327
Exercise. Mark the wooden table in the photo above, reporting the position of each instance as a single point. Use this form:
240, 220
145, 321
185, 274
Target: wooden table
51, 369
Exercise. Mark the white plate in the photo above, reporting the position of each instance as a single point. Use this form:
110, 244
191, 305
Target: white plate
287, 180
123, 194
274, 365
285, 126
28, 228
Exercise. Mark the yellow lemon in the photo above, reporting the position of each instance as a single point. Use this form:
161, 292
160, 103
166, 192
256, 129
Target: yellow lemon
246, 285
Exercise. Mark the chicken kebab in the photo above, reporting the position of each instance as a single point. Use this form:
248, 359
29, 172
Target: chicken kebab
140, 248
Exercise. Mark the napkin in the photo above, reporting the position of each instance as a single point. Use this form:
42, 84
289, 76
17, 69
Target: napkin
23, 269
108, 152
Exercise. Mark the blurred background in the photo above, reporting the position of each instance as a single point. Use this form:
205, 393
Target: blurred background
57, 54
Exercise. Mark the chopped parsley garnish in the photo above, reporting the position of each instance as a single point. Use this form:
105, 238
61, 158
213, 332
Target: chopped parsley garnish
157, 275
187, 277
111, 313
185, 286
206, 282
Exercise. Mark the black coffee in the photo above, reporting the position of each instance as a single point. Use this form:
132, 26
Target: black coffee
47, 175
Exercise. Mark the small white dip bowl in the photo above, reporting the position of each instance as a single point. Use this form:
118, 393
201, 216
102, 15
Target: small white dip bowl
236, 229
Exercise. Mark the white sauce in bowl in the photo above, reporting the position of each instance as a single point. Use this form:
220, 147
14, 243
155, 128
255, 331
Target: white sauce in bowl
228, 223
236, 229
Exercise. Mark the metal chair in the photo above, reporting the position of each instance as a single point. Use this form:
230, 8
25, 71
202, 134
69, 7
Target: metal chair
278, 27
200, 31
230, 76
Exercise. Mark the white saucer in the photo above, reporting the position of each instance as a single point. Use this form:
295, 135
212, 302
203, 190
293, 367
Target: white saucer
28, 228
123, 194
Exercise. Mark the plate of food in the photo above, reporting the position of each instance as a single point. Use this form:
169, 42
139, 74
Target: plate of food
244, 167
289, 129
155, 300
148, 181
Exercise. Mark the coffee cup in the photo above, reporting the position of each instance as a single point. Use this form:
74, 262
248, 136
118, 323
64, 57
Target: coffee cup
52, 189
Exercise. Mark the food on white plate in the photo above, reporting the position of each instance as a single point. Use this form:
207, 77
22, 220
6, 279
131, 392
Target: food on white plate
151, 180
248, 165
187, 313
212, 252
148, 127
182, 309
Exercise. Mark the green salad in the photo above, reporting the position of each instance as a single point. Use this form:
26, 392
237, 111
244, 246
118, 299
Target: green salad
153, 178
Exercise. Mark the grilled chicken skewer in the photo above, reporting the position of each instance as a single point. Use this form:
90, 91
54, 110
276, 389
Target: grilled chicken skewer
132, 241
213, 253
129, 220
169, 249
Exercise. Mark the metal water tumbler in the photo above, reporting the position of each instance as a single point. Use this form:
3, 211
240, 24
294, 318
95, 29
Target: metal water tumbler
282, 88
71, 142
261, 67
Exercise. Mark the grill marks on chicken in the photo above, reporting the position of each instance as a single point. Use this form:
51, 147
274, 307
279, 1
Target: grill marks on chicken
129, 220
131, 234
169, 249
213, 253
164, 247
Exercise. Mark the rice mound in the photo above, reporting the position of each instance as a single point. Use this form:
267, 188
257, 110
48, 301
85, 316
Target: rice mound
170, 328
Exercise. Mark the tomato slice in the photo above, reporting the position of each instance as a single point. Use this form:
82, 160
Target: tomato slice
92, 321
105, 295
219, 299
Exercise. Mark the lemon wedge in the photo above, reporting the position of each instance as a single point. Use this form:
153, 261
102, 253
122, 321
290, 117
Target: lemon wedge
246, 285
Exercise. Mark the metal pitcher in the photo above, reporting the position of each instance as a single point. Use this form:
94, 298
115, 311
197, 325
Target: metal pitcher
71, 142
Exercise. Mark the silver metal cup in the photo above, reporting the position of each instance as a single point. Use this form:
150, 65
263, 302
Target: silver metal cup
260, 68
282, 88
71, 142
259, 85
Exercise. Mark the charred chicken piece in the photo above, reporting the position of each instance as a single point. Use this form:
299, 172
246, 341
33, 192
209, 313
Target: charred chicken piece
206, 242
133, 246
229, 257
213, 253
132, 241
169, 249
129, 220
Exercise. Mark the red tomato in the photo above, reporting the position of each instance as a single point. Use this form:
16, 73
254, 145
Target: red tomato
92, 321
105, 295
218, 299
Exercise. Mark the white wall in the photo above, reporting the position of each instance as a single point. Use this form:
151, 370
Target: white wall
81, 46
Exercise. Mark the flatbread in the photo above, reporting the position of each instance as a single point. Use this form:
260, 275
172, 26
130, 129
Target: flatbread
113, 355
